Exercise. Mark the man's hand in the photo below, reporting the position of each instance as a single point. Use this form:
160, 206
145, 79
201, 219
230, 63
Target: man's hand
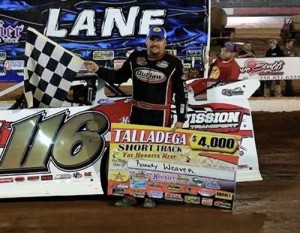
91, 66
178, 125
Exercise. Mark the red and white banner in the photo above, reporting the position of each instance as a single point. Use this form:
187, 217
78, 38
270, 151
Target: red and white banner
275, 68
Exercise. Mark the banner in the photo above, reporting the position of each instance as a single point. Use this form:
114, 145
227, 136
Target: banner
269, 68
187, 166
103, 31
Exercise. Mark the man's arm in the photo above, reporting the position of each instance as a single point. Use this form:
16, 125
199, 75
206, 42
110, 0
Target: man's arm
180, 95
110, 75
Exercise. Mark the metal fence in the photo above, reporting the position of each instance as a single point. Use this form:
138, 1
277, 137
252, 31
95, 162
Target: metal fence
255, 3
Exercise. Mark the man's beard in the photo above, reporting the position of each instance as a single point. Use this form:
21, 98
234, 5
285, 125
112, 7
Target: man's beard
155, 51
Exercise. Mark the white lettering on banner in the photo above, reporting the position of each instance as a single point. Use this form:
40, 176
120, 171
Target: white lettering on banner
129, 136
113, 17
181, 169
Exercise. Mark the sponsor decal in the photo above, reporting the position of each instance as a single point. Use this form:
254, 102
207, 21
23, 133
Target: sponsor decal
163, 177
138, 195
118, 176
119, 162
173, 197
125, 120
105, 101
215, 72
33, 178
198, 181
20, 179
183, 179
219, 121
62, 176
231, 92
149, 75
9, 34
138, 184
87, 174
224, 195
262, 68
155, 185
207, 192
190, 199
162, 64
155, 194
123, 186
212, 185
6, 180
141, 61
207, 201
173, 187
141, 175
103, 55
77, 175
47, 177
118, 63
223, 204
118, 192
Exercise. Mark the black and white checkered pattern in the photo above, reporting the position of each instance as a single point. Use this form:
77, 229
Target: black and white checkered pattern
49, 71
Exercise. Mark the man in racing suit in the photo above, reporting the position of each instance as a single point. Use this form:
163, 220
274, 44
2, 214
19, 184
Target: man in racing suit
156, 76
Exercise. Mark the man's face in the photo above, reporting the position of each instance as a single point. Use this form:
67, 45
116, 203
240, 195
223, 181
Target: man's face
155, 46
225, 54
247, 47
272, 44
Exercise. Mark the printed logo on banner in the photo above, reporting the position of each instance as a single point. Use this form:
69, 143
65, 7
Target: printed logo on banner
172, 51
9, 34
15, 65
2, 56
103, 55
194, 54
263, 68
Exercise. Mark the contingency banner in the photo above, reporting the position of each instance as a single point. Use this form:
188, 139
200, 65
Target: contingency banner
269, 68
181, 166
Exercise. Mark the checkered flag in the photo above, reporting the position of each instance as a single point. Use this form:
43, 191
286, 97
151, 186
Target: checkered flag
49, 71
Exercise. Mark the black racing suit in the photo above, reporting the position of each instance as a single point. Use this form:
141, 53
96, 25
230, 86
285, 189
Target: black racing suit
154, 83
